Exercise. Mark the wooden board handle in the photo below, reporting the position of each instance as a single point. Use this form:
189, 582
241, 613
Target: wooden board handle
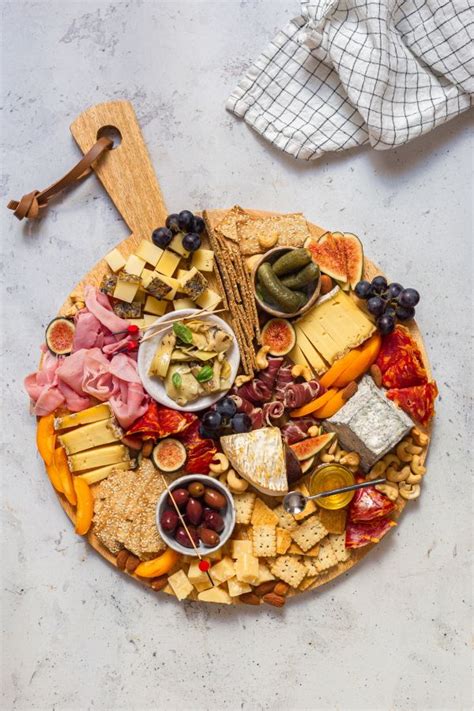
126, 171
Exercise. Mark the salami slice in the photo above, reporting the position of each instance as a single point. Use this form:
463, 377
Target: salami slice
393, 345
406, 371
160, 421
417, 401
369, 504
200, 451
361, 534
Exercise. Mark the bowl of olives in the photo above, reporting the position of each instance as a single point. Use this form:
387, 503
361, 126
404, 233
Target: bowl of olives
208, 511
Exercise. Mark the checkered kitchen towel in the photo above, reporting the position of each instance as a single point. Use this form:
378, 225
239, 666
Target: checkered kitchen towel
349, 72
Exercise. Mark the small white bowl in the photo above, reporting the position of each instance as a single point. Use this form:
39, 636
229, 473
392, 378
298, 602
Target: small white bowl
228, 516
156, 388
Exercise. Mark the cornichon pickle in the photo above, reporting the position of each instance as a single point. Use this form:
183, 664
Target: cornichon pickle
287, 300
291, 261
309, 273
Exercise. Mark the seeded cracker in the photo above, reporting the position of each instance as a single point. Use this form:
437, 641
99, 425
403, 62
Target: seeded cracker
228, 225
264, 541
262, 515
292, 231
289, 570
285, 519
244, 504
338, 544
326, 558
283, 540
309, 533
310, 507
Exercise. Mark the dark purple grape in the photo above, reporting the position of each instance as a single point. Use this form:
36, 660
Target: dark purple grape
393, 290
405, 313
191, 242
186, 220
379, 282
198, 225
409, 297
162, 237
363, 289
241, 422
376, 305
172, 223
390, 311
206, 434
385, 324
226, 407
211, 421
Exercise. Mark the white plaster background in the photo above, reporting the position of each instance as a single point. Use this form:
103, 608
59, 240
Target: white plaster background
392, 634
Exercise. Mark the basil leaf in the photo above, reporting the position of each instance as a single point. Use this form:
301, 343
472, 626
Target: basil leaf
183, 332
177, 380
205, 374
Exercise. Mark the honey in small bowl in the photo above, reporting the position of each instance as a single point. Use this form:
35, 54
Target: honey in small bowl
328, 477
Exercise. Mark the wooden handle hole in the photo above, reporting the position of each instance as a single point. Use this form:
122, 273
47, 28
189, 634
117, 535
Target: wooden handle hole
111, 132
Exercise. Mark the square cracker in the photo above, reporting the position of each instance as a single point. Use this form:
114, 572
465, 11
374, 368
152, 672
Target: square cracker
263, 515
309, 533
326, 558
244, 504
288, 569
264, 541
338, 544
310, 565
283, 540
285, 519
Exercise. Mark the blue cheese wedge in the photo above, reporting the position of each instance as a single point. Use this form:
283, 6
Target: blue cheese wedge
369, 423
259, 458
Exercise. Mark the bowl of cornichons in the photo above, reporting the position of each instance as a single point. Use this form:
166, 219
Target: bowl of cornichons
286, 281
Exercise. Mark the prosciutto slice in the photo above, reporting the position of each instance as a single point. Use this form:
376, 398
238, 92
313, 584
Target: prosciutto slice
256, 391
299, 394
297, 430
283, 379
268, 376
272, 411
255, 413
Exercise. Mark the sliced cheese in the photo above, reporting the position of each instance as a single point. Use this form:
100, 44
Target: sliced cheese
217, 595
209, 299
246, 568
168, 263
149, 252
115, 260
311, 354
134, 265
154, 306
95, 434
203, 259
99, 457
97, 475
259, 458
91, 414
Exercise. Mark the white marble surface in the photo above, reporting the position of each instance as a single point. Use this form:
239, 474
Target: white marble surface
393, 634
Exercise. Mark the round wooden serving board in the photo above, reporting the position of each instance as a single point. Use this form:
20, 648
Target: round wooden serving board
130, 181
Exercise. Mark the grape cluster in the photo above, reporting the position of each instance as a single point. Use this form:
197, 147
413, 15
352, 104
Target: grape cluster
184, 223
224, 419
387, 302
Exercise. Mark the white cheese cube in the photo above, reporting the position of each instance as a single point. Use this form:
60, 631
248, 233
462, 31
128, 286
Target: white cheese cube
217, 595
264, 574
237, 588
208, 300
176, 245
238, 548
179, 304
147, 275
180, 585
115, 260
223, 570
246, 568
149, 252
168, 263
126, 290
134, 265
153, 306
203, 259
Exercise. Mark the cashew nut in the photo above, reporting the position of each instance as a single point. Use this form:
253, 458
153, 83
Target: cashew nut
267, 241
242, 379
416, 465
377, 470
219, 464
303, 371
403, 452
223, 479
333, 446
409, 491
261, 360
327, 458
389, 489
394, 475
314, 431
390, 459
419, 437
351, 459
235, 483
414, 478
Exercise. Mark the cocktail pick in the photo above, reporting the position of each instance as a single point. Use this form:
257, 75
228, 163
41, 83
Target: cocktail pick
204, 565
129, 346
132, 331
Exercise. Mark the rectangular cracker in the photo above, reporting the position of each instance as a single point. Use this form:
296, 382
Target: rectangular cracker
288, 569
327, 557
283, 540
244, 504
338, 544
264, 541
285, 519
263, 515
309, 533
333, 521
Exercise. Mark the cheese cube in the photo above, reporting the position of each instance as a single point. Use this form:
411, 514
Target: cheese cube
223, 570
168, 263
115, 260
126, 287
203, 259
176, 245
184, 303
216, 555
172, 282
238, 548
246, 568
209, 299
200, 587
264, 574
147, 275
149, 319
181, 274
237, 588
149, 252
134, 265
198, 577
153, 306
180, 584
217, 595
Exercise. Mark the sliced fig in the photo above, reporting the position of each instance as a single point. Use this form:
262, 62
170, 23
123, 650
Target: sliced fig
60, 335
169, 455
329, 255
307, 464
354, 258
279, 335
310, 447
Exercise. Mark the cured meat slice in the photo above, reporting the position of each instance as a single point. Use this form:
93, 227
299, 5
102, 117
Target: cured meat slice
361, 534
297, 430
256, 391
160, 422
200, 451
283, 379
393, 345
369, 504
406, 371
417, 401
268, 376
299, 394
272, 411
253, 411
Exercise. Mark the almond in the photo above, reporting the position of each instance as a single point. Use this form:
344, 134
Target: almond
376, 374
159, 583
265, 587
250, 599
281, 589
326, 284
132, 563
121, 559
349, 391
273, 599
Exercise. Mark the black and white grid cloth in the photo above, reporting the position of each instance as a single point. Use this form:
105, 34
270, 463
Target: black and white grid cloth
350, 72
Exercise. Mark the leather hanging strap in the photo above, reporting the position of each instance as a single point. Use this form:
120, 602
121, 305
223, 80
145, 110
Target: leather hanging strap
30, 204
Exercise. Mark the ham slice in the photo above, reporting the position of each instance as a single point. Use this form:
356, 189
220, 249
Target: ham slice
89, 331
99, 305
